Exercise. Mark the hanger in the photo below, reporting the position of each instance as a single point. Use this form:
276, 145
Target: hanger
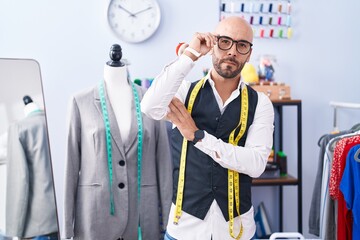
356, 127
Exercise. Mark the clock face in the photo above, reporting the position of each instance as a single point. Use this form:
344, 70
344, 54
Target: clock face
134, 20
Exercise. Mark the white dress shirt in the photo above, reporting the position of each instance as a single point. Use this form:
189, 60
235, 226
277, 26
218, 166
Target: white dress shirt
250, 159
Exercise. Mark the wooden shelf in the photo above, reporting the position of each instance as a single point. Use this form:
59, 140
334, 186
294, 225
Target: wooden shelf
286, 180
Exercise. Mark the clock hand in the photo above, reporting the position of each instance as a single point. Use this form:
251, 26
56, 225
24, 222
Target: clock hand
142, 11
131, 14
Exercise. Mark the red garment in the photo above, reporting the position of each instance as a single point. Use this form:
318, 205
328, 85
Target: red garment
338, 164
344, 222
344, 219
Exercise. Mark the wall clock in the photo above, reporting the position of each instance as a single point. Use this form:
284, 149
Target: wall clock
134, 21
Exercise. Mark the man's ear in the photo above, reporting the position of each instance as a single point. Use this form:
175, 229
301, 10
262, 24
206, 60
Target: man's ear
248, 57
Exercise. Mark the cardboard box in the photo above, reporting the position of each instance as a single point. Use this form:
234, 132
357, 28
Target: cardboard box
275, 91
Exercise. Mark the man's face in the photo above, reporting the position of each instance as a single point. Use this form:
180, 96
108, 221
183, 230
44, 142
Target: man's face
229, 63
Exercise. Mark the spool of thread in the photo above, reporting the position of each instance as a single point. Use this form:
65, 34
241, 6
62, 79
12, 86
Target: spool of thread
260, 20
242, 7
251, 20
280, 33
251, 7
137, 81
289, 8
261, 7
279, 21
271, 33
262, 33
279, 7
146, 83
232, 7
223, 7
270, 7
288, 20
289, 33
281, 159
270, 20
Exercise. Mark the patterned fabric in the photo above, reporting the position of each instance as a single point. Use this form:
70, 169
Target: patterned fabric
349, 186
338, 165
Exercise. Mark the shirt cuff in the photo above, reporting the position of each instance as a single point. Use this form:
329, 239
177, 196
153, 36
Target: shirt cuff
205, 145
186, 59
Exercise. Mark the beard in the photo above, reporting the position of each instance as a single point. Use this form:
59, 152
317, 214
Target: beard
228, 71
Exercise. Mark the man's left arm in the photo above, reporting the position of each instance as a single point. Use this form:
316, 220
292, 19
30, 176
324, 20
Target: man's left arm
252, 158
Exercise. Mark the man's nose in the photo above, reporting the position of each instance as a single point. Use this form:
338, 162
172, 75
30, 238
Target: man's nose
232, 51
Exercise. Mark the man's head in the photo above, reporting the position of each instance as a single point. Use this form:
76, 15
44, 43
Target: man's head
234, 38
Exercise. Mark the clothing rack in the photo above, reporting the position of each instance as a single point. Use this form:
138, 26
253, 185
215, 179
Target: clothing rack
337, 105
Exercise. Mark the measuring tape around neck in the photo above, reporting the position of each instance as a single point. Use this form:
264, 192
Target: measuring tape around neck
109, 145
233, 177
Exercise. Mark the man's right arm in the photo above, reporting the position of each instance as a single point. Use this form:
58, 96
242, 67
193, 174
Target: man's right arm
165, 86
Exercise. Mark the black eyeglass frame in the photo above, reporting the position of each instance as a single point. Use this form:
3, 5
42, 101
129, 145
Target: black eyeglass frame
232, 43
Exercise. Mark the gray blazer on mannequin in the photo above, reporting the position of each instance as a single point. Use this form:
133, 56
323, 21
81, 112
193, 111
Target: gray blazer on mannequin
30, 198
87, 196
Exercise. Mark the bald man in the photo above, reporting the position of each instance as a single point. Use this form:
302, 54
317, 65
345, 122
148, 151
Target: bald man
221, 138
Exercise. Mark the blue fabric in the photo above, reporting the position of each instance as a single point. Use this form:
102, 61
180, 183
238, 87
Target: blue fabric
52, 236
350, 187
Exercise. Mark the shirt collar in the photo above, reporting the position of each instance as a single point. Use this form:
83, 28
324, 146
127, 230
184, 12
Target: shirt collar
208, 78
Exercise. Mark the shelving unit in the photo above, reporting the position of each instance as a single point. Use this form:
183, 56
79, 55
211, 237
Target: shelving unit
287, 180
269, 19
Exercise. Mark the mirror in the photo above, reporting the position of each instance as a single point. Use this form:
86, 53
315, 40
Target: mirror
27, 199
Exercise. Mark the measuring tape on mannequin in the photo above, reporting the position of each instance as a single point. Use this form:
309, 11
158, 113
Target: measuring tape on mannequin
109, 145
233, 177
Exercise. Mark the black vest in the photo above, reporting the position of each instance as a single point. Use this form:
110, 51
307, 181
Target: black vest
205, 179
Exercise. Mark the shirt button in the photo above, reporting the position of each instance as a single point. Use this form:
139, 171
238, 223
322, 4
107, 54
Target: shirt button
214, 188
121, 185
217, 119
214, 164
121, 162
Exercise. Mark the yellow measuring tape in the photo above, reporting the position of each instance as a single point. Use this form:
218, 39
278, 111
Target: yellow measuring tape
233, 177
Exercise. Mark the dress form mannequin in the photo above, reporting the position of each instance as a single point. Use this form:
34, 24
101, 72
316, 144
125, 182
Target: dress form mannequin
102, 197
119, 90
30, 106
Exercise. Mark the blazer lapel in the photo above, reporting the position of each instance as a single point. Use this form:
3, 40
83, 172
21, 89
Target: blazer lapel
133, 134
114, 128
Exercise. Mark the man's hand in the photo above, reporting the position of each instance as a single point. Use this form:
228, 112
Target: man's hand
201, 43
182, 119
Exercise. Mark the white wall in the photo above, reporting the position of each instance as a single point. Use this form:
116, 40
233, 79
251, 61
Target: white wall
71, 41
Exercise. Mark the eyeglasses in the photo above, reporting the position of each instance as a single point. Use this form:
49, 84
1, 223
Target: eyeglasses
242, 46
